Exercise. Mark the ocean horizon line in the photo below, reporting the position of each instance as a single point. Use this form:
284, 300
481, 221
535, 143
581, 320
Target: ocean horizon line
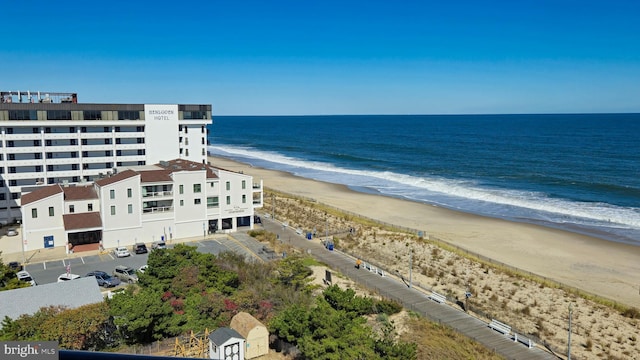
441, 114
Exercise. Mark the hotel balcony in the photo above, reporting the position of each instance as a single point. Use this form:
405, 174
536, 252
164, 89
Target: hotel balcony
157, 194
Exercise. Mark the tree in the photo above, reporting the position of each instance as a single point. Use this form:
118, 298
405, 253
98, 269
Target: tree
292, 271
291, 324
28, 327
347, 300
89, 327
8, 279
143, 317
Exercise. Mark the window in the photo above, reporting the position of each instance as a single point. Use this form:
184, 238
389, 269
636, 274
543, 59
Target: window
89, 207
34, 213
51, 212
92, 115
112, 194
181, 202
58, 115
129, 193
181, 189
3, 197
211, 184
15, 196
130, 208
228, 200
128, 115
244, 184
212, 202
196, 201
228, 185
72, 209
113, 209
23, 115
197, 188
244, 199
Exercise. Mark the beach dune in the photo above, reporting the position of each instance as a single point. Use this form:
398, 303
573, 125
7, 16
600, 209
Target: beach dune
601, 267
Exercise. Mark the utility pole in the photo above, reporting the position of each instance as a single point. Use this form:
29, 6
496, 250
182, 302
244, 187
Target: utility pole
410, 269
569, 342
326, 228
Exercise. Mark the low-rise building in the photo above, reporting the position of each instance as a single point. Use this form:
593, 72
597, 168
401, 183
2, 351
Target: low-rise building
254, 332
68, 294
226, 344
169, 200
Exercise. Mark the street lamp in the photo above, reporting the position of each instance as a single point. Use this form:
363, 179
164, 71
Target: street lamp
569, 342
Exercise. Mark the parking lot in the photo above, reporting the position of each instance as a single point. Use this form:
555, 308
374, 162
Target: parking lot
48, 271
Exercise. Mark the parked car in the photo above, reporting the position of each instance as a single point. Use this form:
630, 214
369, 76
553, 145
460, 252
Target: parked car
25, 276
140, 248
158, 245
142, 269
125, 273
104, 279
121, 251
12, 232
66, 277
15, 266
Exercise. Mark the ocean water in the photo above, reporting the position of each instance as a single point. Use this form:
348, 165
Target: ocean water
579, 172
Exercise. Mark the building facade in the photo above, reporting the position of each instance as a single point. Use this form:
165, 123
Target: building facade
170, 200
50, 138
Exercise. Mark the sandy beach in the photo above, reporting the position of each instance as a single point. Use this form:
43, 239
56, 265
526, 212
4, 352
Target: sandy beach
605, 268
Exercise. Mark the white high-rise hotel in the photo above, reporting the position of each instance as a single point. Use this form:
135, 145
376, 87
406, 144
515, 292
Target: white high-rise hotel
50, 141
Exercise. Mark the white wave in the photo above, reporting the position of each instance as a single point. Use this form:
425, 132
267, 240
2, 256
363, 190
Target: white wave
424, 188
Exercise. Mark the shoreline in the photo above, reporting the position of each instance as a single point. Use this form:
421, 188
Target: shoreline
602, 267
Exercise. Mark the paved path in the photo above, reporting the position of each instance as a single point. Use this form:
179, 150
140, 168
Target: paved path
410, 298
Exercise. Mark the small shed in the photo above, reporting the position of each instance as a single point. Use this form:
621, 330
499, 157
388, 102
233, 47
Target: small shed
226, 344
255, 333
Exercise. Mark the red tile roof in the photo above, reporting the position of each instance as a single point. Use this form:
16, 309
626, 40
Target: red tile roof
40, 194
82, 221
72, 193
117, 177
187, 165
149, 176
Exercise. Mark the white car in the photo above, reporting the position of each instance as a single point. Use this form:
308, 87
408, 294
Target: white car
25, 276
143, 268
67, 277
12, 232
121, 251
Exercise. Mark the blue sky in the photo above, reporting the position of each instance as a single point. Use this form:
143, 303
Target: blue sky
330, 57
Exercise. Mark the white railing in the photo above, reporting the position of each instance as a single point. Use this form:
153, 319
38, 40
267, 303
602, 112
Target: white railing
158, 194
155, 210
